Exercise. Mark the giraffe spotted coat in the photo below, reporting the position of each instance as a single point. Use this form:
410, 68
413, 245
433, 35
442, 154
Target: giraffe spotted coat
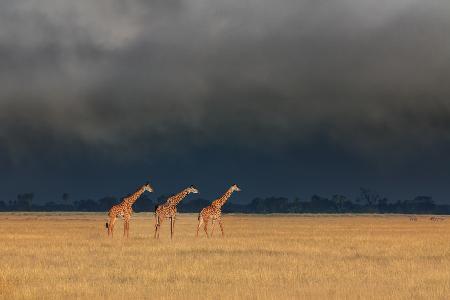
168, 210
125, 209
214, 211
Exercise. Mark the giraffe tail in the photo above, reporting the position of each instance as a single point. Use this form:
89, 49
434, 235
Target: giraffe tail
106, 225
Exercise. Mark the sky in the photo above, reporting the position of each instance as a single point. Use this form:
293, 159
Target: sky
286, 97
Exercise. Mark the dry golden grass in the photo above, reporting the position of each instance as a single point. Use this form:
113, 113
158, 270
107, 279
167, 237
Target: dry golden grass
54, 256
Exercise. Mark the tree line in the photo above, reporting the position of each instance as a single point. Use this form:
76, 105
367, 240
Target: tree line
368, 201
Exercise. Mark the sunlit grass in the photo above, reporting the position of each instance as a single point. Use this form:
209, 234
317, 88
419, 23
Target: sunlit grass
283, 256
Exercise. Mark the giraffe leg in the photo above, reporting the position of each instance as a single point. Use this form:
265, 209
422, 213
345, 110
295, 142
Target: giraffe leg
125, 224
206, 228
221, 227
111, 225
213, 224
160, 221
156, 224
174, 219
128, 228
200, 223
171, 227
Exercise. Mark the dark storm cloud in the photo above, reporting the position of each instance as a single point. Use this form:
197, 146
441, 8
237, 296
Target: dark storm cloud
134, 77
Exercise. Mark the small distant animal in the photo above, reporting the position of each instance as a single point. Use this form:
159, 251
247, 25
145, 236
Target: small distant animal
413, 218
437, 219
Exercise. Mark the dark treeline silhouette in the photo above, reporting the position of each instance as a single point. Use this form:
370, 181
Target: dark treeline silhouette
368, 201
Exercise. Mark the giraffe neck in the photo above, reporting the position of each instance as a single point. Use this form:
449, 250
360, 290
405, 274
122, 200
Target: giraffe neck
129, 201
174, 200
221, 201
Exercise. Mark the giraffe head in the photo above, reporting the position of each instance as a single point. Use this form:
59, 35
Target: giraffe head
235, 188
192, 190
147, 187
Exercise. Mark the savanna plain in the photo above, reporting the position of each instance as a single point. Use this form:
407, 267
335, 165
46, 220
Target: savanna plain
69, 255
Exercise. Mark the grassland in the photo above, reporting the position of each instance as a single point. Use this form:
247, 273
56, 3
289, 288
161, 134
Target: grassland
54, 256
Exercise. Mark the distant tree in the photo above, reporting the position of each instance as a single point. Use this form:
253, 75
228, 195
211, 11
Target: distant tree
144, 204
65, 197
51, 206
339, 200
105, 203
231, 207
367, 201
278, 204
369, 197
194, 205
422, 203
321, 204
255, 205
349, 206
383, 205
295, 206
24, 201
87, 205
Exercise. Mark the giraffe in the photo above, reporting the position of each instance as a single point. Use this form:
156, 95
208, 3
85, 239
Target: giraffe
214, 211
169, 210
125, 209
